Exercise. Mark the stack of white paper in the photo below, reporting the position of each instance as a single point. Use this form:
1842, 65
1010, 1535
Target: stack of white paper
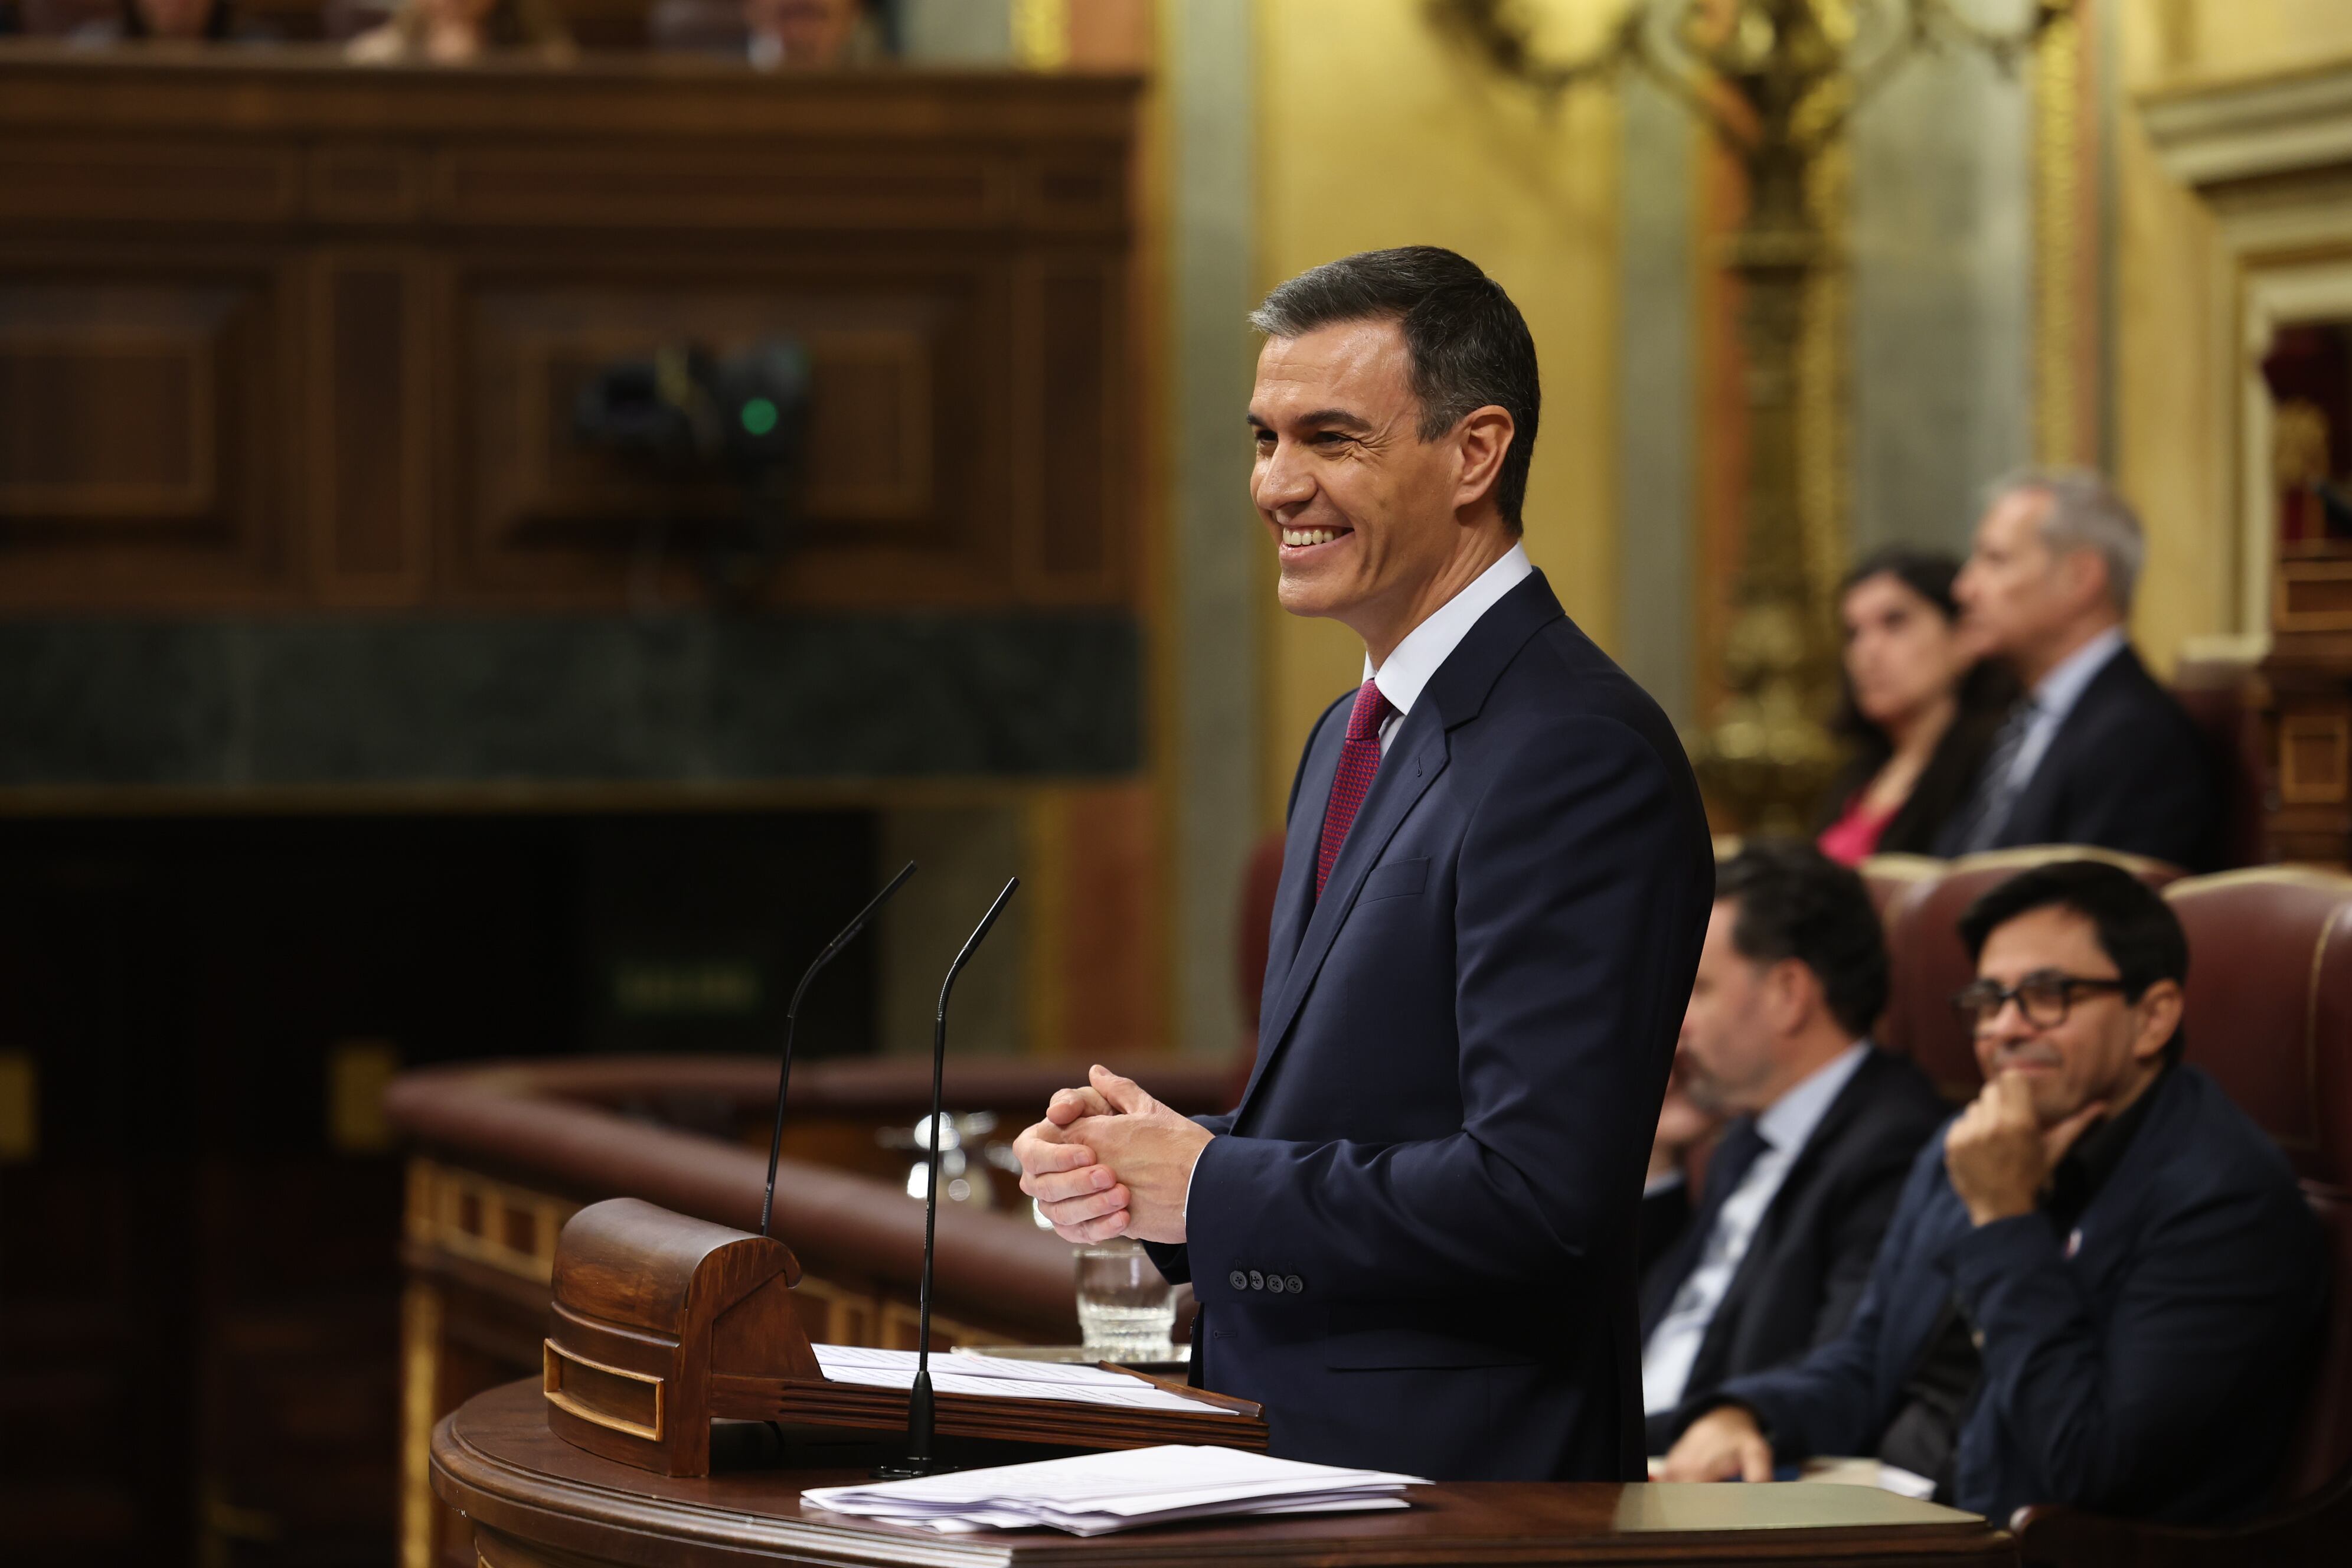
992, 1378
1097, 1493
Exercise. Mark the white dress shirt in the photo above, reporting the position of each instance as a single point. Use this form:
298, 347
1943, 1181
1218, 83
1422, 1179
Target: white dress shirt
2054, 696
1411, 662
1785, 1126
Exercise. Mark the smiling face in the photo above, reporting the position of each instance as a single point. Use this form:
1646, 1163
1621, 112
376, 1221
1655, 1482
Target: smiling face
2107, 1049
1374, 526
1901, 652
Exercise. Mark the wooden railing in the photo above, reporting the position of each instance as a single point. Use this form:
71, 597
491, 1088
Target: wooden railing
503, 1153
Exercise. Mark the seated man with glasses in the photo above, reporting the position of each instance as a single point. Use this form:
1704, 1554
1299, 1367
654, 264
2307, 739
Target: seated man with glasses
2101, 1286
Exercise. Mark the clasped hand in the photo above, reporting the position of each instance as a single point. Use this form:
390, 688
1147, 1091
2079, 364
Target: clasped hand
1108, 1160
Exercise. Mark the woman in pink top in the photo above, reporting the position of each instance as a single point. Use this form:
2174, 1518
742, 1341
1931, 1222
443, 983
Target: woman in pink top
1921, 708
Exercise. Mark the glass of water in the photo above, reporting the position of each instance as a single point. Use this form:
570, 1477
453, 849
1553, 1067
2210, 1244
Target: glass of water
1125, 1309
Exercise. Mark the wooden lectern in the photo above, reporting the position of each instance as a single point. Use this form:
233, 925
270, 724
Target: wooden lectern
659, 1323
531, 1501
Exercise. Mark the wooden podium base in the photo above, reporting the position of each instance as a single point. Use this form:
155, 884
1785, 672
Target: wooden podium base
536, 1501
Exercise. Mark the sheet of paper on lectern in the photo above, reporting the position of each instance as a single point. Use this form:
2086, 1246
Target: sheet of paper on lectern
992, 1379
1095, 1494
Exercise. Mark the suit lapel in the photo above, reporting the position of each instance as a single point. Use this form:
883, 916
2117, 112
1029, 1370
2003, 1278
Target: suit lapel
2037, 803
1293, 891
1416, 758
1453, 697
1756, 1261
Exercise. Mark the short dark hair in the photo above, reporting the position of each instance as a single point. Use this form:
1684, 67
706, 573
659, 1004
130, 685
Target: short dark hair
1796, 902
1929, 573
2136, 928
1468, 344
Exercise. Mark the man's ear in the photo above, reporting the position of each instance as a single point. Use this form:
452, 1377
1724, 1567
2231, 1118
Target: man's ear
2159, 1015
1484, 438
2086, 577
1791, 995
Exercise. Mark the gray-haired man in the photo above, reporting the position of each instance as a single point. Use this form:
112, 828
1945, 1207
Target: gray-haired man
2096, 751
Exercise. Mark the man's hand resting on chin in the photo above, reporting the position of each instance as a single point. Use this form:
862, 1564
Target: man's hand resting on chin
1108, 1160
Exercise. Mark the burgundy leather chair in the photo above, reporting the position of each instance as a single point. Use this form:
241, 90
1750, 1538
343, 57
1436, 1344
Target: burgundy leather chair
1890, 877
2269, 1015
1929, 961
2214, 697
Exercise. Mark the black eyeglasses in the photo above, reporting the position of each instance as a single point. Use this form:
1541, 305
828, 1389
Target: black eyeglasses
2042, 997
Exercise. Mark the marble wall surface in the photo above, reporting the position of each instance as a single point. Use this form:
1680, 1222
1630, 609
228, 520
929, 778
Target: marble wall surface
681, 699
1940, 241
1936, 236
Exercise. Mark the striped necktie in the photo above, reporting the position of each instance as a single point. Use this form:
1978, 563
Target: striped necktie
1995, 795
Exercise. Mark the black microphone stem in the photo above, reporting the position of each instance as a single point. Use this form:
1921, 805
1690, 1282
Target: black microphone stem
791, 1020
918, 1398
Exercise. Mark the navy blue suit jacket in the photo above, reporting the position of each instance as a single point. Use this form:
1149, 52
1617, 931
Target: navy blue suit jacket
2126, 770
1414, 1240
2156, 1369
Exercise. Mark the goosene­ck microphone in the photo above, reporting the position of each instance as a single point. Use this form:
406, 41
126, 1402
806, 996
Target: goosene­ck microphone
792, 1019
919, 1460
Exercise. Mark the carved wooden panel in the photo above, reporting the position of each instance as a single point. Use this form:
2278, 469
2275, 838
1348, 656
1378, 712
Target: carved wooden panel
368, 460
901, 409
137, 458
164, 178
717, 186
275, 333
1080, 465
2314, 596
366, 183
2313, 750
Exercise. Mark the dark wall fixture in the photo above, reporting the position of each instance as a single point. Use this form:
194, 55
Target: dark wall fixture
687, 413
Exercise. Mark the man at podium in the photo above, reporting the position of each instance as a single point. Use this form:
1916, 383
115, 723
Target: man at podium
1413, 1239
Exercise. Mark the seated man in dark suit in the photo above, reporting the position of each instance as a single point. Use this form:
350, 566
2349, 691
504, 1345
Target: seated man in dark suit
1824, 1128
2095, 752
2102, 1287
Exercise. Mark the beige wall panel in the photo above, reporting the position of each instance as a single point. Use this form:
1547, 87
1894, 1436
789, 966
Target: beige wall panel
2173, 421
1374, 130
2232, 37
2171, 430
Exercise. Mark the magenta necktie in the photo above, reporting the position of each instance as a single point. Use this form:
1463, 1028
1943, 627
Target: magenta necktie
1359, 759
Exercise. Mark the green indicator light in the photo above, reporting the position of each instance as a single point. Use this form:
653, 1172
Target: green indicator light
759, 416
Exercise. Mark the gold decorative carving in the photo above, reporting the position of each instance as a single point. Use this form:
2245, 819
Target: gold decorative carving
1041, 34
510, 1229
1778, 81
420, 1402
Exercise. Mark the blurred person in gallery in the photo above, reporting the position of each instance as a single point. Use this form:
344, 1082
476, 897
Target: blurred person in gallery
775, 34
812, 35
2101, 1288
1769, 1259
2094, 751
1920, 706
169, 21
459, 32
